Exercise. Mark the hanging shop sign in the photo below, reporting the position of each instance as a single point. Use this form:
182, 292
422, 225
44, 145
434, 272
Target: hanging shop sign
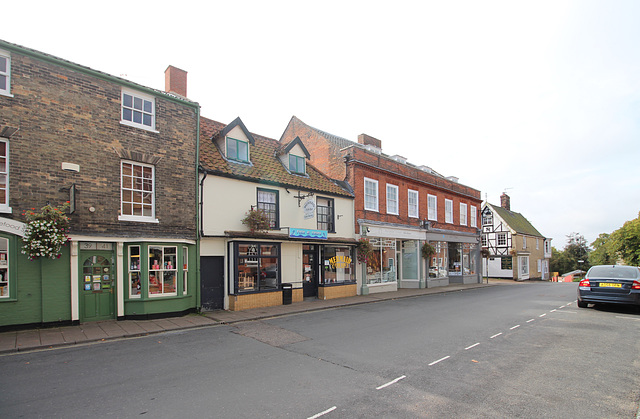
309, 209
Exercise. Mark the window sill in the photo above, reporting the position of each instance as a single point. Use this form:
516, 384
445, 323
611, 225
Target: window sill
138, 219
7, 94
139, 126
5, 209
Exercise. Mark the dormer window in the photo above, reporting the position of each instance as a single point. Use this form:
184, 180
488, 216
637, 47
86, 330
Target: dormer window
237, 150
297, 164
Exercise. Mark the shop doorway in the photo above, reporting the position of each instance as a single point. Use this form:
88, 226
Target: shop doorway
310, 270
97, 287
212, 282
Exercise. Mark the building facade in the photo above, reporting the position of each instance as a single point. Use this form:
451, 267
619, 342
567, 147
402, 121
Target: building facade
400, 208
515, 247
307, 247
125, 157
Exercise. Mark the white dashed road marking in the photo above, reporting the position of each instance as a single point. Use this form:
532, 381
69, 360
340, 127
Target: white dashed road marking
391, 382
323, 413
531, 320
472, 346
515, 327
496, 335
440, 360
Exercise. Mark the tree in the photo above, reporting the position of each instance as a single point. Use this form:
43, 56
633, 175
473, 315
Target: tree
627, 241
574, 256
604, 250
559, 261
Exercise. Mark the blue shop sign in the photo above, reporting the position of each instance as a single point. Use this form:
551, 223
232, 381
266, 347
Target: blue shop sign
303, 233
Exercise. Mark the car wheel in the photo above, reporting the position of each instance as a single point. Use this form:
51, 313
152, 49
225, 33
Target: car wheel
582, 304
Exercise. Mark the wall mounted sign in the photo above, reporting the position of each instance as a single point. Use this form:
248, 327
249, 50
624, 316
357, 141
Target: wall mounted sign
309, 209
303, 233
12, 226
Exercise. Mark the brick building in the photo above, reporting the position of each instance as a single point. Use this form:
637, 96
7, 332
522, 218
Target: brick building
399, 207
125, 156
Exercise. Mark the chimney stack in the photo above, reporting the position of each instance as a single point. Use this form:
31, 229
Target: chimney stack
365, 139
175, 81
505, 201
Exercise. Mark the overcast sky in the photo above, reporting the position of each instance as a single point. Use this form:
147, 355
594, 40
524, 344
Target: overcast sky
538, 99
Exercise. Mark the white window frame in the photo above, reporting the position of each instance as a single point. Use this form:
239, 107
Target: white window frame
4, 206
139, 218
524, 242
413, 209
474, 216
185, 269
501, 235
463, 214
392, 199
161, 269
523, 265
537, 244
484, 240
141, 96
374, 198
6, 73
432, 210
448, 211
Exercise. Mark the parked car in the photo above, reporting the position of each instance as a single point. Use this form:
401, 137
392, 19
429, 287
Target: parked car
610, 284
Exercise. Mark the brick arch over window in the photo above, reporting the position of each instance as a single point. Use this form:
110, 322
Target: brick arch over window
137, 156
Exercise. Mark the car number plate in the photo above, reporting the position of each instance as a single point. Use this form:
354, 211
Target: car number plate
608, 285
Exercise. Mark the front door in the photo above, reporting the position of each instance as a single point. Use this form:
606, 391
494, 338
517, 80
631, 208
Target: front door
97, 286
212, 282
309, 270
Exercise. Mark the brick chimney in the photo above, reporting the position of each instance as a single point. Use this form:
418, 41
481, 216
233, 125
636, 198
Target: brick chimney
365, 139
505, 201
175, 81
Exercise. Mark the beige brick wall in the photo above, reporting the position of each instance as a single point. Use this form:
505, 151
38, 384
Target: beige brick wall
249, 301
340, 291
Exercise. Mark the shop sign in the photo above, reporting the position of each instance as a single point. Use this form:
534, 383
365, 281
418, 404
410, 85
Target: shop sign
96, 246
309, 209
303, 233
12, 226
340, 262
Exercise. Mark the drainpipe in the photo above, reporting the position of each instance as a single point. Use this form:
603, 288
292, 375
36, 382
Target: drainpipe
198, 215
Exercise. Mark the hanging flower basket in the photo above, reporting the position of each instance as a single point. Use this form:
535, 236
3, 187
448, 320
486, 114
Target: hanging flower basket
428, 250
364, 250
46, 232
257, 221
485, 252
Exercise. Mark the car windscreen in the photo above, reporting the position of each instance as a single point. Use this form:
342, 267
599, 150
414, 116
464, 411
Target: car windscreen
613, 272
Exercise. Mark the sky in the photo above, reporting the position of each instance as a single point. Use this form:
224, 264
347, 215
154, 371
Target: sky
537, 99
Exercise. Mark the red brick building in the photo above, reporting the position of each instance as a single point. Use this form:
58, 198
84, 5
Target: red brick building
399, 207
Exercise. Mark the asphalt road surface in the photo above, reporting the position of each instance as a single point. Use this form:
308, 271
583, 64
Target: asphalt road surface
523, 350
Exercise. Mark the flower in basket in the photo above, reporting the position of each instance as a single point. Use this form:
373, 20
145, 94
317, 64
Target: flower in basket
46, 232
364, 250
257, 221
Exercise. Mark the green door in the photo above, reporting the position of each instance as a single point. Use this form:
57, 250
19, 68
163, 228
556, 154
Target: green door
97, 287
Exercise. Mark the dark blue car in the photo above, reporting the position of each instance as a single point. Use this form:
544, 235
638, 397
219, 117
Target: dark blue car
610, 284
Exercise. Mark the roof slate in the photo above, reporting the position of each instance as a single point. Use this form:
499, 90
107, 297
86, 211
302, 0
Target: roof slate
265, 166
516, 221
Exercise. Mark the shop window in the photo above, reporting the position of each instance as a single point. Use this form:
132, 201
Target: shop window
185, 269
438, 263
468, 259
455, 259
337, 265
268, 202
326, 214
257, 266
381, 266
162, 270
4, 268
410, 257
135, 278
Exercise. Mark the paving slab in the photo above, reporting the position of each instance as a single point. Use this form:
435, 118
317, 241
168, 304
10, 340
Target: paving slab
149, 326
51, 337
28, 339
7, 341
132, 328
112, 329
93, 331
73, 334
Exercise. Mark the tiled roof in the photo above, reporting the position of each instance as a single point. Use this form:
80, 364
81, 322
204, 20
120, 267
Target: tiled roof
516, 221
265, 166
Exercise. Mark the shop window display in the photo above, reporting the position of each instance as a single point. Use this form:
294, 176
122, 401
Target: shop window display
162, 270
337, 265
381, 266
257, 266
438, 264
4, 268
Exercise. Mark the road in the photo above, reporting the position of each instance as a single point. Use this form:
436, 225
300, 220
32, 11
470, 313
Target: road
522, 350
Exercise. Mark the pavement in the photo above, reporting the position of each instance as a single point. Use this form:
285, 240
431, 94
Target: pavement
95, 332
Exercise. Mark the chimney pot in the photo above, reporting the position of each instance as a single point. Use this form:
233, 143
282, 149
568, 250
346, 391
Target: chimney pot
175, 81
